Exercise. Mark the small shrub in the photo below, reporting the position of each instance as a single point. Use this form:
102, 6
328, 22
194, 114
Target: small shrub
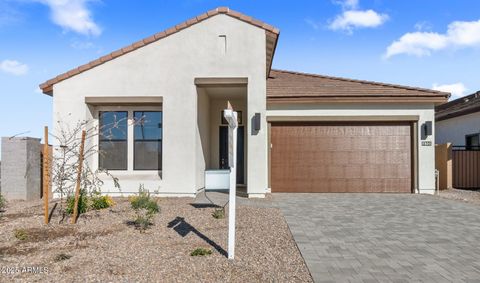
97, 201
144, 201
143, 221
201, 252
21, 234
61, 257
3, 203
219, 213
82, 203
145, 208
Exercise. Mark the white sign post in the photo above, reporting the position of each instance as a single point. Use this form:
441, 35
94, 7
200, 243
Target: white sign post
231, 117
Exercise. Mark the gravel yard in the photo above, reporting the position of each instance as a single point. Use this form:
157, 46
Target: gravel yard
472, 196
103, 247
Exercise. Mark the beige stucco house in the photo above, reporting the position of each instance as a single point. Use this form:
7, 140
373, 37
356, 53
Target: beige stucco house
298, 132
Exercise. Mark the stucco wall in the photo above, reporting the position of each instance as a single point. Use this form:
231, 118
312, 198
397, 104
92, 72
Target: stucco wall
454, 130
425, 112
167, 68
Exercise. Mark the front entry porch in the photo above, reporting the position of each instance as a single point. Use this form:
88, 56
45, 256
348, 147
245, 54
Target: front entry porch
212, 149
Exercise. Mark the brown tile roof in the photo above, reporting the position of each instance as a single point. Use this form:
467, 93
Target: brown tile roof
271, 35
458, 107
284, 86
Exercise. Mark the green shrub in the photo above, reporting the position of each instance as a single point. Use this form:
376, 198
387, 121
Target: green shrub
144, 201
143, 221
219, 213
201, 252
3, 203
82, 203
21, 234
97, 201
145, 208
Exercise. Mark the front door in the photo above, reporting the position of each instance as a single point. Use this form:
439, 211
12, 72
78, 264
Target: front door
240, 150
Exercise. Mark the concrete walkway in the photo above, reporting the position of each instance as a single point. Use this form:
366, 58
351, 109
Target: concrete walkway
384, 237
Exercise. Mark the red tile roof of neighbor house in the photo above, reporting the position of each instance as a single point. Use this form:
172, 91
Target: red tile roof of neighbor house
271, 35
287, 86
458, 107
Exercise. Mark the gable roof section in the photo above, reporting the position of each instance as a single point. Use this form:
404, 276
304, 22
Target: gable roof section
458, 107
271, 33
287, 86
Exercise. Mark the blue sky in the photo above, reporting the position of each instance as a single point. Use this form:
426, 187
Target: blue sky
425, 43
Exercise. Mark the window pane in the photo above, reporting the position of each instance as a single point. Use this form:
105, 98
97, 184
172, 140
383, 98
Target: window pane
147, 140
148, 155
113, 155
113, 125
113, 148
148, 125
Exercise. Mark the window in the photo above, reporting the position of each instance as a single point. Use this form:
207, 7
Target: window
113, 140
147, 140
472, 141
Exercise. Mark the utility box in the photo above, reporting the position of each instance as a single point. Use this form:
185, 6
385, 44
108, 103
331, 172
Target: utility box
21, 168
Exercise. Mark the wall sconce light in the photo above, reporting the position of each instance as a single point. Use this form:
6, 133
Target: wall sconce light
256, 122
427, 128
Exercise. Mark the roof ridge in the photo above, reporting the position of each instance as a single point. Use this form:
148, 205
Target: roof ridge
362, 81
47, 85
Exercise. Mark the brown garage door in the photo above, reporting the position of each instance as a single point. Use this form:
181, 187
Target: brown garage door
341, 157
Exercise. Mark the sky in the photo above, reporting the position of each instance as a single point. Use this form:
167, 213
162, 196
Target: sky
424, 43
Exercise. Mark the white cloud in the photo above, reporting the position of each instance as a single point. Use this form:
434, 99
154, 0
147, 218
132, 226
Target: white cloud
459, 34
73, 15
13, 67
457, 89
352, 19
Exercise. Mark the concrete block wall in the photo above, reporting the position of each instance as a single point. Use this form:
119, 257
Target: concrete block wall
21, 168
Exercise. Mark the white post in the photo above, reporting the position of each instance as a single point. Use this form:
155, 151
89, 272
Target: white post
231, 117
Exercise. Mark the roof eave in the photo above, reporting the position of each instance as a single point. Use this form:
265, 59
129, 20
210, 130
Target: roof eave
356, 99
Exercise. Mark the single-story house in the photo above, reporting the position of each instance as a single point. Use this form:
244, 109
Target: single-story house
458, 121
298, 132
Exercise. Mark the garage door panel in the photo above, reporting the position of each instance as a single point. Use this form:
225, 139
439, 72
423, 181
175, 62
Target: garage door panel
347, 157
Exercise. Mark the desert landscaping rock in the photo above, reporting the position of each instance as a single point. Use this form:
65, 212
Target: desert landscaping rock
472, 196
103, 248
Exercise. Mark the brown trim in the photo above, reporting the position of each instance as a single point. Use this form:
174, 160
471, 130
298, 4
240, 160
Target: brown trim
219, 81
124, 100
269, 152
356, 99
47, 87
415, 157
341, 118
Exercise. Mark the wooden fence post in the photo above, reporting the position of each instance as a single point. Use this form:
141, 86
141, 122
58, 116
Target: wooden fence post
79, 178
46, 175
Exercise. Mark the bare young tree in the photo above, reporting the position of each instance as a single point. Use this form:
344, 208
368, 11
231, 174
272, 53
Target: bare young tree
66, 152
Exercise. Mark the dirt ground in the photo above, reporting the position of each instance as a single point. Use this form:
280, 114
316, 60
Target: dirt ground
103, 247
471, 196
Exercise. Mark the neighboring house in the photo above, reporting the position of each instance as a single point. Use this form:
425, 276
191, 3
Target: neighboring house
315, 133
458, 121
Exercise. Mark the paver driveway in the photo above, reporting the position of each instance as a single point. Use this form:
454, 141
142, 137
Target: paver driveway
384, 237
